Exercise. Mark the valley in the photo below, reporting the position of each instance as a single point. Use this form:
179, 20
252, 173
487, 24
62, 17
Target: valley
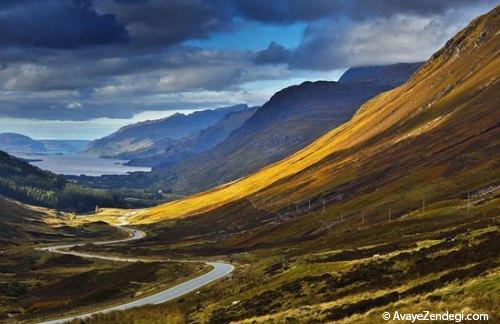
39, 282
332, 202
219, 270
405, 264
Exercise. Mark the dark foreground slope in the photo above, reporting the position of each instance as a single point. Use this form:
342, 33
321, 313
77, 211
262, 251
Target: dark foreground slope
19, 223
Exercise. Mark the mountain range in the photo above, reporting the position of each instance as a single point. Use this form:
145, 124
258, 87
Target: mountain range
18, 143
290, 120
151, 137
167, 152
250, 139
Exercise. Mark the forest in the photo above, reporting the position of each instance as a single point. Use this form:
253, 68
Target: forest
26, 183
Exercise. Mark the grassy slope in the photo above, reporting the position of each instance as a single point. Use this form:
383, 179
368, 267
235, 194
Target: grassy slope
20, 223
417, 263
84, 285
452, 98
25, 224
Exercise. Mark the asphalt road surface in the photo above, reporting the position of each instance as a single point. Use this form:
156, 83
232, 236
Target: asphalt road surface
220, 270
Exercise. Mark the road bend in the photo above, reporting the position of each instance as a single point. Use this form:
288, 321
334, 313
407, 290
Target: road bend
219, 270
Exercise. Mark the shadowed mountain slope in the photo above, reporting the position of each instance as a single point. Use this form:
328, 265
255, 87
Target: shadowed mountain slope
21, 223
166, 152
129, 140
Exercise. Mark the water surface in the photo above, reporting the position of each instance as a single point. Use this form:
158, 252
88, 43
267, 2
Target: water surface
82, 165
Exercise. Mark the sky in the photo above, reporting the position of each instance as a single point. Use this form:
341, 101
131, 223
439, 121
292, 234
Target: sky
80, 69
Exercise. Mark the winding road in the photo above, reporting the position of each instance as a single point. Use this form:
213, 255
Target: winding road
219, 270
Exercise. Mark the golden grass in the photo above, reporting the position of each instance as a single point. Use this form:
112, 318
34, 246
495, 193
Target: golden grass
113, 216
478, 295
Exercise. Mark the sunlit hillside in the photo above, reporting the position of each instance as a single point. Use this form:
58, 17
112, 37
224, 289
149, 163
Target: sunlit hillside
455, 89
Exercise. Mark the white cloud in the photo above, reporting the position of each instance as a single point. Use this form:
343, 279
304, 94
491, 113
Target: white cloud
333, 44
74, 105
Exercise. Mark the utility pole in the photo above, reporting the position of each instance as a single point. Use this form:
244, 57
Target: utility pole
297, 207
309, 204
468, 203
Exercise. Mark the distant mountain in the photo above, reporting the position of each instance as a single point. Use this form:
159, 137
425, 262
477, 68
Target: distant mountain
17, 143
170, 151
289, 121
65, 146
131, 140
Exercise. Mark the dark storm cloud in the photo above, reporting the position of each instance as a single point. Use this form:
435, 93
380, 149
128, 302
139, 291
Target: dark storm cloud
66, 111
289, 11
159, 22
68, 24
71, 86
74, 71
83, 59
57, 24
275, 53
